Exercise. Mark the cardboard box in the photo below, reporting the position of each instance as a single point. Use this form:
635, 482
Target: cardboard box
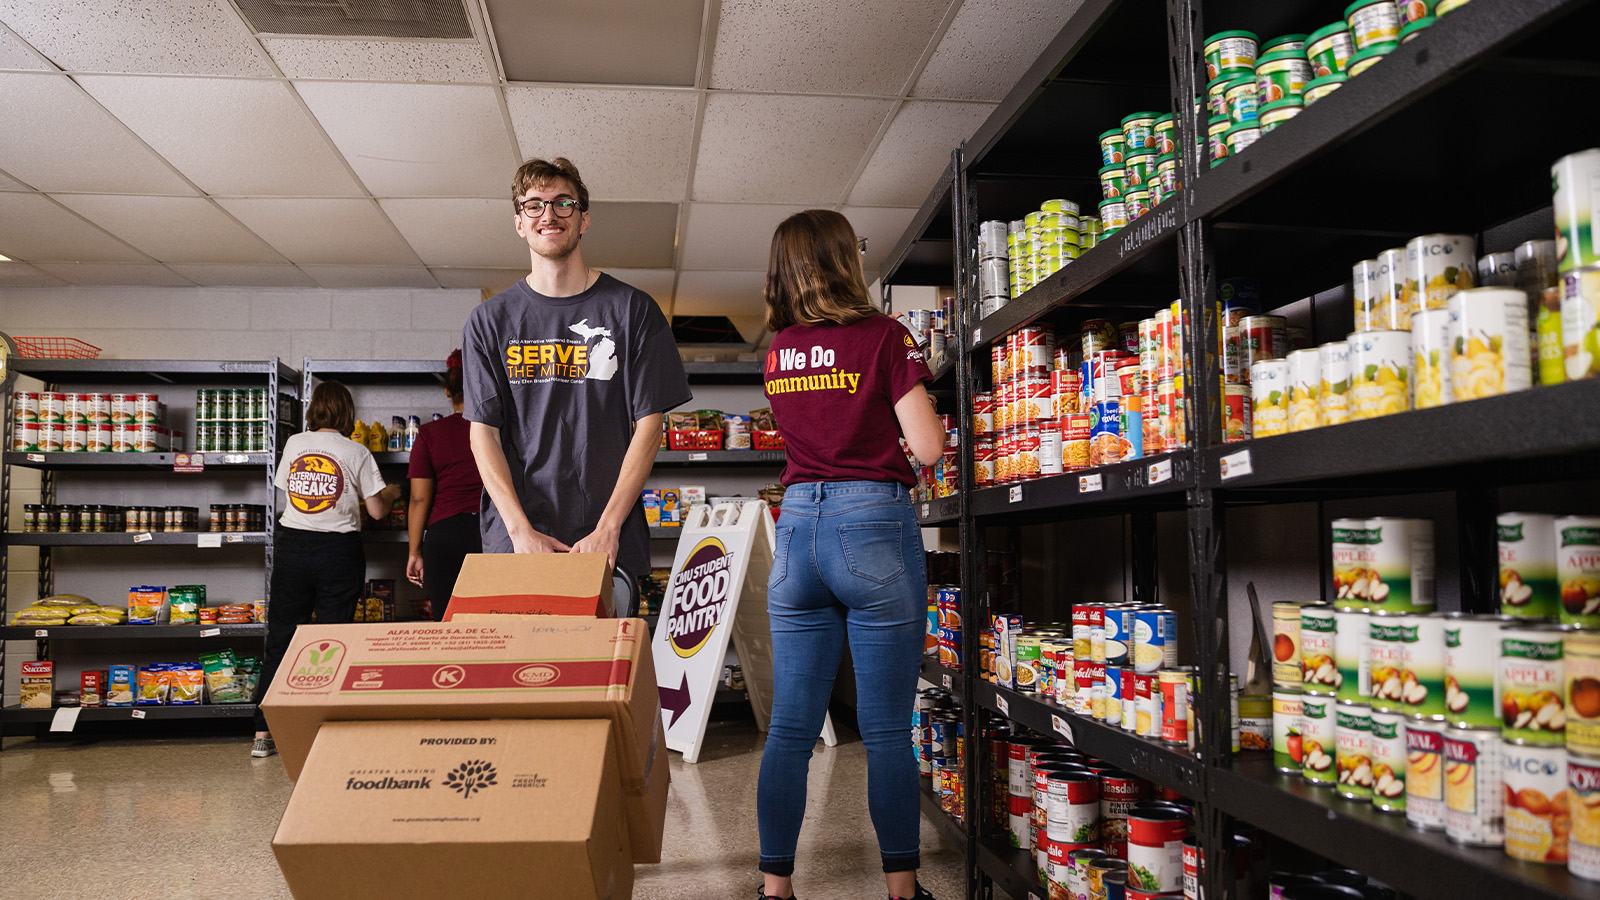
452, 810
537, 584
485, 667
37, 689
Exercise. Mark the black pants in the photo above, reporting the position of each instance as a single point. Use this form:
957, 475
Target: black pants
445, 545
312, 572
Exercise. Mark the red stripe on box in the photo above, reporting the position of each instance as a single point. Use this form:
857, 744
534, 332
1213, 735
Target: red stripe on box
482, 676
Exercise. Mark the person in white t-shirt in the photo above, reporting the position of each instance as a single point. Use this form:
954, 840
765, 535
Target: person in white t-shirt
319, 565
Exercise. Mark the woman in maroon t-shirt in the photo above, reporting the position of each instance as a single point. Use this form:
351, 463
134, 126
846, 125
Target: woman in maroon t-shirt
845, 382
445, 496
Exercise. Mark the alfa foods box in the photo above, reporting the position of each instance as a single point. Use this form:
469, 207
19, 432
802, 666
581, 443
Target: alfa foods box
448, 810
500, 667
539, 584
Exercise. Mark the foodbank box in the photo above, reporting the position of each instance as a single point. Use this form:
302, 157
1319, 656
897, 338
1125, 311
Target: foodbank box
460, 810
488, 667
541, 584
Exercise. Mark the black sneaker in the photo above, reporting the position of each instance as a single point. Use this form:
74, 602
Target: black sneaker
921, 894
761, 895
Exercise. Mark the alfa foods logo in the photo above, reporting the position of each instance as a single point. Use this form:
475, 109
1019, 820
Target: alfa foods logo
470, 777
315, 482
702, 587
316, 666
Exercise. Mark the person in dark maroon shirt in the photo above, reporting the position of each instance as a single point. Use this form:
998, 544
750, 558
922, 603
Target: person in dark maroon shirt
445, 493
845, 382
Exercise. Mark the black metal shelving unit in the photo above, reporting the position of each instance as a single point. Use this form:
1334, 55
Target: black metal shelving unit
1294, 210
154, 374
230, 711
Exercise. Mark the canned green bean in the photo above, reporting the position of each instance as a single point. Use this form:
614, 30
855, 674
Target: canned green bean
1329, 49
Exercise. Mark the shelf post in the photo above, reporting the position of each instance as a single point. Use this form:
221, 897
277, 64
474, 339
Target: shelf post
1476, 510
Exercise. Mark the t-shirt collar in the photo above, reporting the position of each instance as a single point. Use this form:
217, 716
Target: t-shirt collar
575, 299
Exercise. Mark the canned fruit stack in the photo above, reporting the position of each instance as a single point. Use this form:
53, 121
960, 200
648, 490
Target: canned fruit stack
52, 422
1383, 564
934, 329
1550, 567
1252, 88
1117, 395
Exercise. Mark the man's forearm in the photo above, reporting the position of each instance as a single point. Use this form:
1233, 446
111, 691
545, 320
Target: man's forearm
495, 472
636, 466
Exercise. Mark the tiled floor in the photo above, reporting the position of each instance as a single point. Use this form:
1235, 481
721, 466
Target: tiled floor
192, 819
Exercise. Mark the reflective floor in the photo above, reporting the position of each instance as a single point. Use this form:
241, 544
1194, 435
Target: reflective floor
192, 819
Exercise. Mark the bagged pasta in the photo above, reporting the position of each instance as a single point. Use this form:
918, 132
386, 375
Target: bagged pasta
185, 684
153, 685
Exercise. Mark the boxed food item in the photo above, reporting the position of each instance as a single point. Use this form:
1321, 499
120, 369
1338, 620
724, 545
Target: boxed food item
146, 604
541, 584
91, 688
691, 494
652, 507
498, 808
671, 508
484, 667
37, 688
120, 684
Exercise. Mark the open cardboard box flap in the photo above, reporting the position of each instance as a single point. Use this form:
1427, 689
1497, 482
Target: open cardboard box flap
539, 584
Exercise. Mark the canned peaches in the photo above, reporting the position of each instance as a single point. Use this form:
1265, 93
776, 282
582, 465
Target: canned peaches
1538, 817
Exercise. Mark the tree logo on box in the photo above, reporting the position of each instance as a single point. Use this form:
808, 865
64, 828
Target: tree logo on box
698, 596
470, 777
316, 666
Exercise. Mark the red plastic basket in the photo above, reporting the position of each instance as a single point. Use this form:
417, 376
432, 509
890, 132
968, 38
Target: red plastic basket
766, 440
694, 439
55, 348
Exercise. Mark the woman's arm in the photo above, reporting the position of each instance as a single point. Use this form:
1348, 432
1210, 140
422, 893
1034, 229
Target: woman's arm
923, 430
379, 504
417, 519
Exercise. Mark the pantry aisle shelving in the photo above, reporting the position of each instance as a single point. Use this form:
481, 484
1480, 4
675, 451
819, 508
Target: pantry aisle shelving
1401, 150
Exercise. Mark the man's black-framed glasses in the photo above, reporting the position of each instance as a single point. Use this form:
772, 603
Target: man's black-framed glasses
563, 207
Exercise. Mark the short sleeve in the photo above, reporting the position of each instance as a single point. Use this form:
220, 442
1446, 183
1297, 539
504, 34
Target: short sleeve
480, 370
280, 479
656, 380
421, 465
901, 360
369, 480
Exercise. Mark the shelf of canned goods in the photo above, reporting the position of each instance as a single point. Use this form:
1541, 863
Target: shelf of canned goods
128, 427
1367, 371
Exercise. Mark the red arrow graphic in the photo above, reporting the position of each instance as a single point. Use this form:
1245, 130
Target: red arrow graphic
676, 699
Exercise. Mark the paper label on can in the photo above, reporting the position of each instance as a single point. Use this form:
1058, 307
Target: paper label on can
1529, 585
1538, 817
1583, 802
1318, 739
1578, 568
1352, 739
1473, 796
1530, 687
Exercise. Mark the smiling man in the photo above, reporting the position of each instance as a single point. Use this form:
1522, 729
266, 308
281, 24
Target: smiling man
567, 374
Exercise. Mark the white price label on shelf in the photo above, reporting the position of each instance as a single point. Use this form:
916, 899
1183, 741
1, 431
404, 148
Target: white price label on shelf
210, 632
1161, 471
977, 335
1088, 484
142, 538
35, 457
949, 683
1016, 493
234, 538
65, 719
924, 510
238, 458
1061, 727
138, 714
1005, 708
208, 540
697, 457
1235, 464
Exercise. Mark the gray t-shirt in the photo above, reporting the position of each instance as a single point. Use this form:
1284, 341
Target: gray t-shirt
564, 379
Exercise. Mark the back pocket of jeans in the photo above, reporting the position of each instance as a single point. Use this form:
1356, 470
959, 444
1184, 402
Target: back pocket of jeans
872, 550
780, 555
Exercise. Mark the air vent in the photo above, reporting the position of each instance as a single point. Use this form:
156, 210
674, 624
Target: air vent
358, 18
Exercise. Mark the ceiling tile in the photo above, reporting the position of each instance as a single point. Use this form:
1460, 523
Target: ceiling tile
783, 149
72, 144
33, 228
417, 140
8, 184
629, 145
822, 46
915, 151
328, 231
229, 136
370, 276
731, 235
720, 294
460, 231
227, 276
116, 274
16, 274
492, 280
169, 37
882, 227
15, 53
655, 282
988, 46
369, 60
602, 41
630, 235
173, 229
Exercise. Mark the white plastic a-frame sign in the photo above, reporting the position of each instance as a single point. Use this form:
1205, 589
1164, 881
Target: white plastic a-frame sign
717, 593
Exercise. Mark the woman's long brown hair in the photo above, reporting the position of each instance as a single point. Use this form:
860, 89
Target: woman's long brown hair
814, 273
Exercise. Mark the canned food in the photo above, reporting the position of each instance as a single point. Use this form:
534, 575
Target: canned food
1216, 137
1577, 235
1282, 74
24, 406
992, 239
1333, 396
1402, 576
1230, 50
1113, 147
1353, 756
1387, 742
1422, 686
1488, 338
1077, 871
1109, 879
1581, 658
1473, 793
1350, 654
51, 437
1583, 805
1286, 645
1305, 381
1137, 201
1425, 774
1328, 49
1174, 685
1115, 635
1155, 850
1241, 136
1319, 672
1288, 751
1578, 569
1384, 648
1527, 551
52, 407
1372, 22
1269, 397
25, 436
1538, 816
1114, 213
75, 438
1318, 739
1147, 706
1378, 373
1531, 682
993, 275
1112, 690
1432, 358
1471, 652
1154, 639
